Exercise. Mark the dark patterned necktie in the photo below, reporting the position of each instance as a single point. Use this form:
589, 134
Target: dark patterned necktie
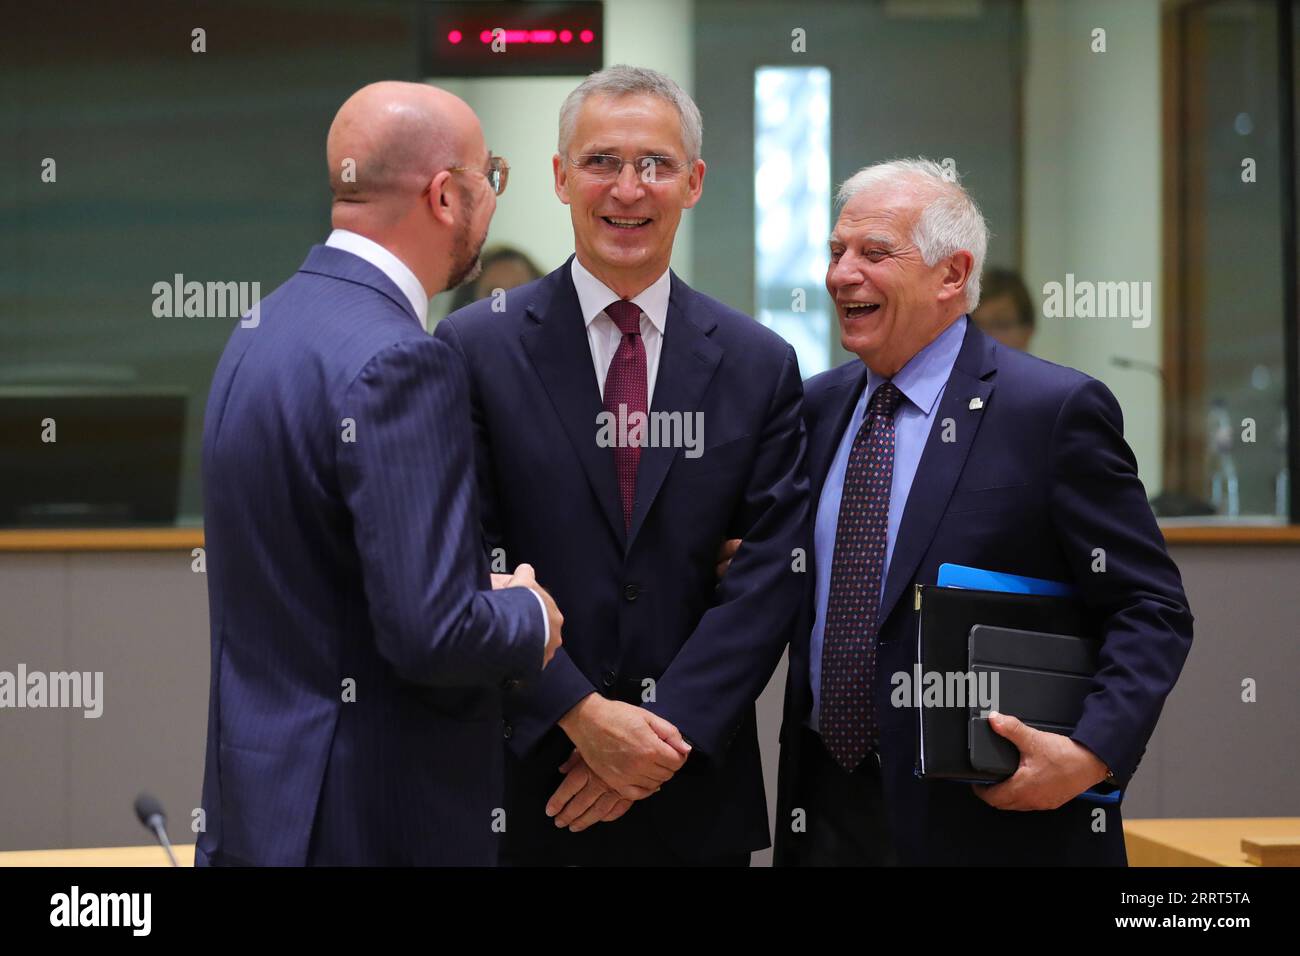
848, 718
625, 384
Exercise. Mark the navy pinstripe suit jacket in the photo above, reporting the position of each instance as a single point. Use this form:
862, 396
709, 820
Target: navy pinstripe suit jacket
344, 560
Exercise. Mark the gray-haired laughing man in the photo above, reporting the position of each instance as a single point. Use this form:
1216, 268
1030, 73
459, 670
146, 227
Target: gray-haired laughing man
1031, 478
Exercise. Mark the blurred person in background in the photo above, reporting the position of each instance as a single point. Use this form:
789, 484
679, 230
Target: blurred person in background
1006, 310
504, 267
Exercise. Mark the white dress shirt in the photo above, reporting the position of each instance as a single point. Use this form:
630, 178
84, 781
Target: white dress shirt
388, 264
405, 279
603, 335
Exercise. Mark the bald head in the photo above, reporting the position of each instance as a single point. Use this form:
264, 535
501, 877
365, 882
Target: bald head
388, 141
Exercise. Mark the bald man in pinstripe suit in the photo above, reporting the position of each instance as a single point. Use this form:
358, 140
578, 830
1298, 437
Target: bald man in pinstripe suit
358, 648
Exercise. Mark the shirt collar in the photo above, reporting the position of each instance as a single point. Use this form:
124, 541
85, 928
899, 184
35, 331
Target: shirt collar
594, 296
925, 374
388, 264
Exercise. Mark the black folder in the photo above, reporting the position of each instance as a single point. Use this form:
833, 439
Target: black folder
1042, 679
1044, 652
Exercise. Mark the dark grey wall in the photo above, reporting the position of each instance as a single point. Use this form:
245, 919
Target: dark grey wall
900, 86
142, 619
211, 165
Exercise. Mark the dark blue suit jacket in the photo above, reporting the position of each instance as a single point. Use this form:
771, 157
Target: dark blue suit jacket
644, 605
342, 545
1036, 480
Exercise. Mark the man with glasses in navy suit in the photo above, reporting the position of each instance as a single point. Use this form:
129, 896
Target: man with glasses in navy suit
627, 425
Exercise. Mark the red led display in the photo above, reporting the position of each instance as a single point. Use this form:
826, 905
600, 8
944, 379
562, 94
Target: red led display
468, 39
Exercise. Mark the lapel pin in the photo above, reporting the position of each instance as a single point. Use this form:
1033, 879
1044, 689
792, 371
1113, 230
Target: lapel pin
976, 404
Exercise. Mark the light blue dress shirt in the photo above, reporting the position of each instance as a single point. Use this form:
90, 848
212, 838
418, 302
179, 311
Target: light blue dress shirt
922, 380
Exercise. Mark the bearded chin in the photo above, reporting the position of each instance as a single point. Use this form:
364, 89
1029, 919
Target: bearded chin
466, 261
472, 272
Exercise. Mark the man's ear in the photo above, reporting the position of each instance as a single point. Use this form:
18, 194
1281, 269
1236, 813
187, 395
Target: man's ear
695, 186
561, 170
956, 274
444, 203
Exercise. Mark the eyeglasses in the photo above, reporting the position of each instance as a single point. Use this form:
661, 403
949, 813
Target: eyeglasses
607, 168
497, 172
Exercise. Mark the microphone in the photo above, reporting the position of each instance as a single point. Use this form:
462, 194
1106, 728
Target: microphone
150, 814
1141, 365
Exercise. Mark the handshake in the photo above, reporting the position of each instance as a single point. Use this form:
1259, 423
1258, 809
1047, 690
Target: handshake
622, 753
524, 577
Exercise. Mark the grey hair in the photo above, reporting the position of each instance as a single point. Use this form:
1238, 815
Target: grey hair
950, 221
622, 80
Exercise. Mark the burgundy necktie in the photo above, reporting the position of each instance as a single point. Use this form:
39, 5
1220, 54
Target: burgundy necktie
625, 384
848, 719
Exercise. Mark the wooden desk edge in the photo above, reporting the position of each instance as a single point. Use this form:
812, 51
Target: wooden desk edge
1233, 535
99, 856
1200, 841
101, 539
186, 539
1144, 850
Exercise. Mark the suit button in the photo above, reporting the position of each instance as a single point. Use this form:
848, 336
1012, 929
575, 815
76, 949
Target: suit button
630, 592
508, 732
608, 678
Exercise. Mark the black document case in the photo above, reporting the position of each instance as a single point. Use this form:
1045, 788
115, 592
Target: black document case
1045, 658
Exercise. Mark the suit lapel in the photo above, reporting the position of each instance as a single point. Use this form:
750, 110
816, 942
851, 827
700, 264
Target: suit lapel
556, 344
687, 360
841, 398
941, 462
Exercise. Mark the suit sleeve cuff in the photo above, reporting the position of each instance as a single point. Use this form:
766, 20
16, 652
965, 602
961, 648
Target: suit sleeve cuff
546, 622
1116, 775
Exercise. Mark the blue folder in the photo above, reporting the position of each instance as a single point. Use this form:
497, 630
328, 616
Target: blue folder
961, 576
978, 579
